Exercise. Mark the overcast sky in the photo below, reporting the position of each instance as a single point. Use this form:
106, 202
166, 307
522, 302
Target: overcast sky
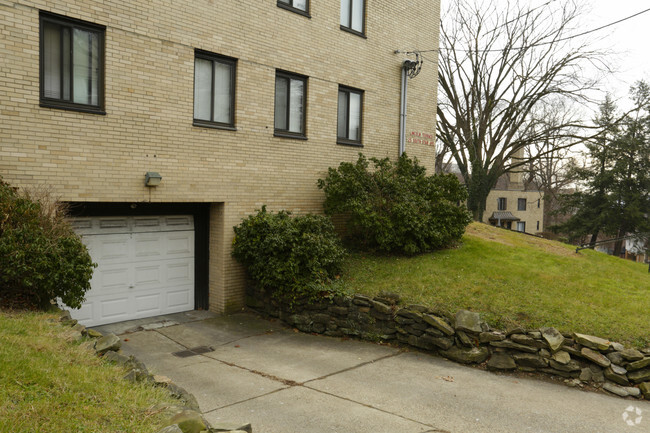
629, 41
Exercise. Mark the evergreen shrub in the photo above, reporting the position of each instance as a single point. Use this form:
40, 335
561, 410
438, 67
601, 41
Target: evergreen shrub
396, 207
292, 257
41, 257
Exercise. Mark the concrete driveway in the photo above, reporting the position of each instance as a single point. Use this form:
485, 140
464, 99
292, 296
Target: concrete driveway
282, 381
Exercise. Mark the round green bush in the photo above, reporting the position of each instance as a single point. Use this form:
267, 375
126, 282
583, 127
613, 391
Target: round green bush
289, 256
41, 258
396, 208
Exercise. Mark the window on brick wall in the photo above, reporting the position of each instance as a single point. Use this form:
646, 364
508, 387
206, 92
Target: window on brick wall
214, 90
521, 204
290, 104
350, 107
71, 64
502, 203
298, 6
353, 16
521, 226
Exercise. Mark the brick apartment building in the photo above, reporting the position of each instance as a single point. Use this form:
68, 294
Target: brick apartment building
234, 104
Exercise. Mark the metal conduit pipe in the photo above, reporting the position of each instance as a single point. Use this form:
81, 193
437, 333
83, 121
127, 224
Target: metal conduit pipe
402, 114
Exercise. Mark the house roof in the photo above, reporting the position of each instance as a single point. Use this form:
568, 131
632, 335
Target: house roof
503, 216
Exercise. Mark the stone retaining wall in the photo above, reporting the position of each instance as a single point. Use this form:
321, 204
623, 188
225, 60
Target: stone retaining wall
582, 360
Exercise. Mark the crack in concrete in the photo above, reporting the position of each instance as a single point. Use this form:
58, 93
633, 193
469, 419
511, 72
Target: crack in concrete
362, 364
243, 401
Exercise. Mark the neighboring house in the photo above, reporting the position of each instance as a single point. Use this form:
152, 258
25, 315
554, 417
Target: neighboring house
514, 206
511, 204
226, 105
634, 247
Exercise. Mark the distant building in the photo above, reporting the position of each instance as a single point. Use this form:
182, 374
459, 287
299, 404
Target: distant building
514, 206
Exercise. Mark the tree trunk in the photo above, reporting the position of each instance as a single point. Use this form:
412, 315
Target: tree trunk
479, 189
618, 245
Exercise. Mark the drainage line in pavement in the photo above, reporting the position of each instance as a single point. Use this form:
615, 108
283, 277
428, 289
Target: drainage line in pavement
354, 367
434, 429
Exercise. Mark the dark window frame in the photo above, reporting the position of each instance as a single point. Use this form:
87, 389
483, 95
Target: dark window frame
349, 28
213, 57
60, 103
285, 133
504, 201
292, 8
519, 204
521, 223
346, 140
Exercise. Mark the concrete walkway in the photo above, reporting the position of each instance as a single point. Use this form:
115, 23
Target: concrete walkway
286, 382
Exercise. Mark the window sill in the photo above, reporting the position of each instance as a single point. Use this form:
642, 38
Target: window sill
209, 125
344, 142
354, 32
72, 107
294, 10
281, 134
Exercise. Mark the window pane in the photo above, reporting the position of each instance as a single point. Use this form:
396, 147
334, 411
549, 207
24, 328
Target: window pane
67, 74
202, 88
296, 107
281, 96
51, 61
343, 115
300, 4
85, 65
357, 15
355, 117
94, 78
222, 92
345, 13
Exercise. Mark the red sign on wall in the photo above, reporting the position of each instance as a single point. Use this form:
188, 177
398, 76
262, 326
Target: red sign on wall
420, 138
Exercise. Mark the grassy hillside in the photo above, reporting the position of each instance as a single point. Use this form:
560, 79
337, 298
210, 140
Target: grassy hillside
50, 385
516, 279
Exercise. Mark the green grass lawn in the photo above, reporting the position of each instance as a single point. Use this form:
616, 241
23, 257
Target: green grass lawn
50, 385
515, 279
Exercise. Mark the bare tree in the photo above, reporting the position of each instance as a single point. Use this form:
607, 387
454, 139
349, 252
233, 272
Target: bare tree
499, 68
549, 162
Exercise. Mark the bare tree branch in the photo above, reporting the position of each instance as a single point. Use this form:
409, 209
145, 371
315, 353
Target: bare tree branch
498, 70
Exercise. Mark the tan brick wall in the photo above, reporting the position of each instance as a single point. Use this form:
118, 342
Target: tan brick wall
149, 67
530, 216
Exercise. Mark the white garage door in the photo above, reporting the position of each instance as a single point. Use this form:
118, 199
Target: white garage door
145, 267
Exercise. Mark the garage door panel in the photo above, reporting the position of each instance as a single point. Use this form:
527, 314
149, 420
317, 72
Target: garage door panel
85, 313
113, 279
180, 272
180, 244
111, 248
148, 245
114, 309
178, 298
148, 274
148, 304
182, 222
111, 225
145, 267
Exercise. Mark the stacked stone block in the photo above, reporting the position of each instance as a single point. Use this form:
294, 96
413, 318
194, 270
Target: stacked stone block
578, 359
